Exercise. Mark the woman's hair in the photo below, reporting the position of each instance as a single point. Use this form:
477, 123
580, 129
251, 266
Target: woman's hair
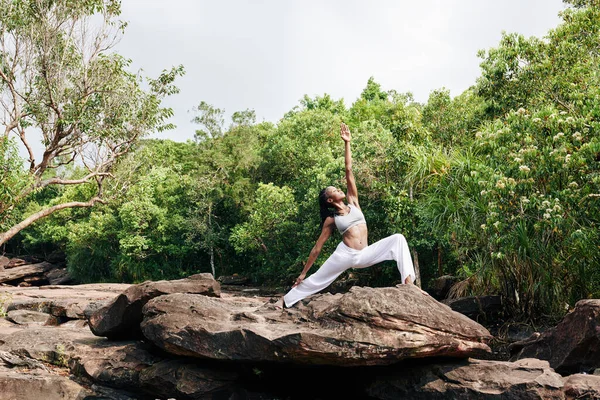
325, 206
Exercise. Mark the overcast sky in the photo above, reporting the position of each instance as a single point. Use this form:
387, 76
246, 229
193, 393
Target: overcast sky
266, 55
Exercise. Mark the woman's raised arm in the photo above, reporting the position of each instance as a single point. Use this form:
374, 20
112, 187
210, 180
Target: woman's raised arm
352, 192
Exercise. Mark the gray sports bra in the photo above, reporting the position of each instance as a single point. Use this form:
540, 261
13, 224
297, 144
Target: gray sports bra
353, 218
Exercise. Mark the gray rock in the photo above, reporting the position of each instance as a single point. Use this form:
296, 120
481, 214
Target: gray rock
476, 307
17, 273
471, 379
25, 317
582, 386
187, 380
120, 319
441, 286
572, 346
365, 326
37, 384
64, 302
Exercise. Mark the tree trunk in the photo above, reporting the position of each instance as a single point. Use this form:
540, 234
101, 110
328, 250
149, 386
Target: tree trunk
6, 236
439, 260
211, 250
415, 256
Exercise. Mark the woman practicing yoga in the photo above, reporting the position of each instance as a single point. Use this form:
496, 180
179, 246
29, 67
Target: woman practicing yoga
353, 251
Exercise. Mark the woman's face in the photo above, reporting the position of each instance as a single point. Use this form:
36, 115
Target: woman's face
334, 194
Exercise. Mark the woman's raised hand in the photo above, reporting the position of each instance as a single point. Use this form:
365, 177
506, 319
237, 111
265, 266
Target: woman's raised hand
345, 132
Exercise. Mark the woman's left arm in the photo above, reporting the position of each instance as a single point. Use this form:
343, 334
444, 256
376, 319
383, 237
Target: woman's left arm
352, 192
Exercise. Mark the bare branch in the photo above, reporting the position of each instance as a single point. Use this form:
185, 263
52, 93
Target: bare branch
5, 236
60, 181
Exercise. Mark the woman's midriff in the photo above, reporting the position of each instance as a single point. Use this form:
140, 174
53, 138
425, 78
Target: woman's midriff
356, 237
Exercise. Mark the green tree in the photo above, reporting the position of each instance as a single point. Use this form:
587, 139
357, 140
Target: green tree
60, 80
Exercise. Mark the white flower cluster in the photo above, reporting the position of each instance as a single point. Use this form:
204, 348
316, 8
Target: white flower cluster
504, 182
558, 136
550, 209
524, 168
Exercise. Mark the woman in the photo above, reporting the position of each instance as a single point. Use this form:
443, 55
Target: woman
353, 251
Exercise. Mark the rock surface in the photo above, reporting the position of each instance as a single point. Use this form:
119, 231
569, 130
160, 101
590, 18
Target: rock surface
572, 346
120, 319
18, 384
368, 343
580, 386
64, 302
441, 286
365, 326
10, 274
472, 379
187, 380
25, 317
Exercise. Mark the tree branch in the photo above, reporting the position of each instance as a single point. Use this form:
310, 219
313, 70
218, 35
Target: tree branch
5, 236
59, 181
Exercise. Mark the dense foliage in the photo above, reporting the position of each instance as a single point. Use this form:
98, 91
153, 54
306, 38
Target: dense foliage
499, 185
61, 83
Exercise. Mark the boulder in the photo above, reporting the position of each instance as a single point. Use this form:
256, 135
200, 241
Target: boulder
120, 319
56, 257
186, 380
59, 276
17, 273
572, 346
117, 365
19, 384
441, 286
233, 280
366, 326
48, 344
470, 379
476, 307
20, 261
26, 317
582, 386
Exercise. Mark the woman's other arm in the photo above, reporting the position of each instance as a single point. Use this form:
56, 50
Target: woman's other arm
316, 250
352, 192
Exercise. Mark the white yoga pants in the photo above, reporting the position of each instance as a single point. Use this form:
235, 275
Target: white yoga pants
391, 248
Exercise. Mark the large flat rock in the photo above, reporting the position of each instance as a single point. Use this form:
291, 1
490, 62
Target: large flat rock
61, 301
366, 326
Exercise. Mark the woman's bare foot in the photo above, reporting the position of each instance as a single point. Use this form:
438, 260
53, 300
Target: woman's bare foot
408, 281
281, 304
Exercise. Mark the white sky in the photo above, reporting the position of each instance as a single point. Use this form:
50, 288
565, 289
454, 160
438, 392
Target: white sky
266, 54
